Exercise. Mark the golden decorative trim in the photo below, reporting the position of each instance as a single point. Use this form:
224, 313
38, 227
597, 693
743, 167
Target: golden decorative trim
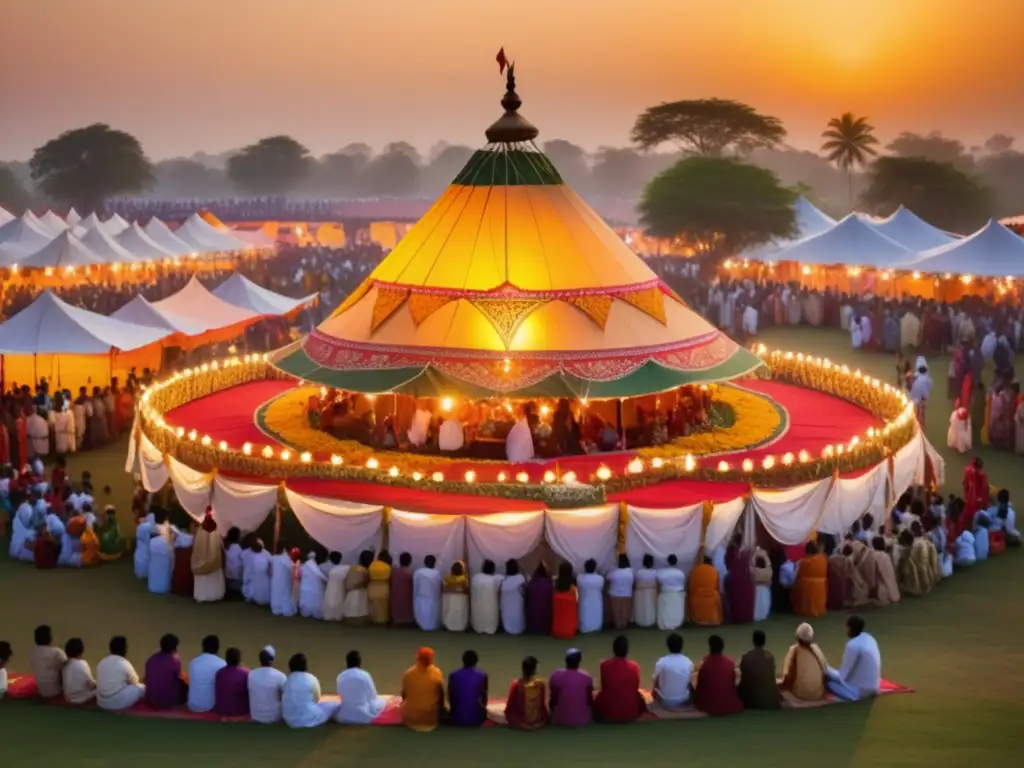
506, 314
388, 300
354, 297
423, 305
651, 301
594, 307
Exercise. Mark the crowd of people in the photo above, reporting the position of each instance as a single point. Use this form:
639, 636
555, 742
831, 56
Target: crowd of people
715, 685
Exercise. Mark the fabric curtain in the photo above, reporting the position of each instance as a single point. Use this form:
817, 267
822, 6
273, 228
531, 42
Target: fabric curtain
854, 497
664, 532
340, 526
724, 518
578, 535
502, 537
791, 515
443, 536
133, 447
241, 505
192, 488
151, 466
908, 466
938, 463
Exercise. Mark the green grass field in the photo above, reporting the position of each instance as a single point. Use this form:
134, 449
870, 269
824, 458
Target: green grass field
960, 648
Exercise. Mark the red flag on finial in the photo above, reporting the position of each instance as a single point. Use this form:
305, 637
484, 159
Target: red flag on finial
502, 61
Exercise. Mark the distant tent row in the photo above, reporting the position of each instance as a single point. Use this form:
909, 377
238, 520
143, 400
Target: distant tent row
74, 346
901, 242
48, 241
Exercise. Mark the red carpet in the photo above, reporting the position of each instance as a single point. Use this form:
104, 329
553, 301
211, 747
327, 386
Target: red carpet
24, 687
814, 421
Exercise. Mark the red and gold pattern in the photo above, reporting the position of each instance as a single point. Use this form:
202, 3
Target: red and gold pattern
594, 307
423, 305
648, 300
353, 298
388, 300
506, 314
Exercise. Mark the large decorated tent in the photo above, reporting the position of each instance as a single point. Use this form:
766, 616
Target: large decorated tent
511, 284
911, 231
852, 242
993, 251
73, 347
243, 292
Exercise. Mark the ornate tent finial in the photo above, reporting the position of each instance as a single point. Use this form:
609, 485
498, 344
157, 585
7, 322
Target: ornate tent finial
511, 127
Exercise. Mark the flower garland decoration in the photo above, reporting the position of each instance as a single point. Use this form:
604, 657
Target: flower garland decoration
206, 453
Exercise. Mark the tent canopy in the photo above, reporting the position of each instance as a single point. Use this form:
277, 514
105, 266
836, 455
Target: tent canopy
911, 231
160, 234
53, 222
100, 240
852, 242
242, 292
5, 216
73, 218
23, 236
809, 222
992, 251
204, 237
139, 311
92, 221
115, 225
49, 326
204, 309
138, 243
65, 250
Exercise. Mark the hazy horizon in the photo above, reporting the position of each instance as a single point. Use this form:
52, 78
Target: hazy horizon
191, 76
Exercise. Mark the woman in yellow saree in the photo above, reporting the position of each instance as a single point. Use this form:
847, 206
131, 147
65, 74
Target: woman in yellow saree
379, 589
422, 693
455, 599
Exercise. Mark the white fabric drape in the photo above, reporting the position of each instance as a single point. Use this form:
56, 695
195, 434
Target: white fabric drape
664, 532
340, 526
724, 518
241, 505
578, 535
938, 463
192, 488
151, 466
133, 447
443, 536
791, 515
908, 466
502, 537
852, 498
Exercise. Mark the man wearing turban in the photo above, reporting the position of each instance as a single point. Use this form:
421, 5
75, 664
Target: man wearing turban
207, 562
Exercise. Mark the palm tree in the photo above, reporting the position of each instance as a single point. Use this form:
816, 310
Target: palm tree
849, 142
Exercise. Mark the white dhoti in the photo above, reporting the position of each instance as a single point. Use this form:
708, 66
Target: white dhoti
334, 600
455, 611
645, 605
357, 604
209, 588
126, 698
762, 601
671, 610
750, 321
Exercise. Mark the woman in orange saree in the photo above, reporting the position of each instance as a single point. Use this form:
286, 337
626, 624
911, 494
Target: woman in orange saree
422, 693
527, 705
565, 604
810, 592
704, 600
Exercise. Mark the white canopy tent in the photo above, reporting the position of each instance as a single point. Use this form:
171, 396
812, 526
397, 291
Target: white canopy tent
92, 221
809, 222
909, 230
852, 242
255, 238
203, 236
73, 218
161, 234
23, 236
5, 216
110, 251
242, 292
140, 311
65, 250
208, 311
142, 246
53, 222
115, 225
992, 251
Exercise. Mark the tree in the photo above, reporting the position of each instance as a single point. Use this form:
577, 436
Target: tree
336, 174
189, 178
617, 172
570, 160
718, 205
1003, 173
14, 198
85, 166
934, 146
444, 166
849, 141
391, 174
707, 127
939, 193
998, 143
271, 166
402, 148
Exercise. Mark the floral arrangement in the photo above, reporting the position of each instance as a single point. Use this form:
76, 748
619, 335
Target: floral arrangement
652, 465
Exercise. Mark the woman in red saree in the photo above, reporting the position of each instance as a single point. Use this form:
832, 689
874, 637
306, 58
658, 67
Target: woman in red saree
976, 493
527, 705
565, 604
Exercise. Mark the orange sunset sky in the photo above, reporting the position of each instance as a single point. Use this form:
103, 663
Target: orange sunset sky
211, 75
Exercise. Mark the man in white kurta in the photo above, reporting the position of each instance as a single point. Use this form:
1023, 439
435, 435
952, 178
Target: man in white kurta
591, 590
22, 533
426, 595
483, 600
301, 706
451, 436
519, 443
69, 554
266, 685
334, 591
143, 533
312, 584
202, 675
117, 683
258, 574
360, 704
419, 431
282, 584
645, 594
671, 595
513, 601
161, 559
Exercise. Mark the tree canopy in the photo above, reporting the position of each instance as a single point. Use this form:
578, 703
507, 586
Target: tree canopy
271, 166
723, 204
933, 146
939, 193
14, 198
392, 174
618, 172
707, 127
85, 166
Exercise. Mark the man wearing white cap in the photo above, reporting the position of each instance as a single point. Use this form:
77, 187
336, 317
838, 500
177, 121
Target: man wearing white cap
265, 687
921, 389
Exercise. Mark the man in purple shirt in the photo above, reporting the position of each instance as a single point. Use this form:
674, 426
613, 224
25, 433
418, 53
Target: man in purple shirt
572, 693
231, 686
164, 687
467, 693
